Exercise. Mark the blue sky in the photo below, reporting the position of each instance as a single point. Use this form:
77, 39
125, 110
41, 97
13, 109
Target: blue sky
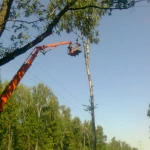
120, 69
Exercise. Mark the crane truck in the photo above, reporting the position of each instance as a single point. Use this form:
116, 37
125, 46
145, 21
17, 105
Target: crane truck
5, 95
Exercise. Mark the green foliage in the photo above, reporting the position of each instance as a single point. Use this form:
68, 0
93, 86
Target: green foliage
35, 16
33, 119
29, 22
101, 138
118, 145
148, 112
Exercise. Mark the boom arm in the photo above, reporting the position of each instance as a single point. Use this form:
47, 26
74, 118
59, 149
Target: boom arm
23, 69
51, 46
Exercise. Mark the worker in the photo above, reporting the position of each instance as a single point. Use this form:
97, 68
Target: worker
70, 49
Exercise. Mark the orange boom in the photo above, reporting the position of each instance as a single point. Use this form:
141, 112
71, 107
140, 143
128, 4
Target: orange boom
26, 65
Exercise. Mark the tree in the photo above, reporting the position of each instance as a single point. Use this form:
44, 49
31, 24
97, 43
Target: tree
9, 120
118, 145
33, 119
66, 128
148, 112
90, 108
45, 107
134, 148
77, 137
101, 138
87, 135
52, 17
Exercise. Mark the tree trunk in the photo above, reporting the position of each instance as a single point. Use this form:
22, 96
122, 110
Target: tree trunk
9, 137
86, 55
28, 142
4, 14
36, 146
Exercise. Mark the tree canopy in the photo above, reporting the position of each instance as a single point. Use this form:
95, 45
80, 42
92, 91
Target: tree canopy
28, 22
34, 119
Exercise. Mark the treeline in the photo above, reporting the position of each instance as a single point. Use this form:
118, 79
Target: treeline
33, 120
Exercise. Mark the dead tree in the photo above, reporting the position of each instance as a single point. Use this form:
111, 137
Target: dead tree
91, 107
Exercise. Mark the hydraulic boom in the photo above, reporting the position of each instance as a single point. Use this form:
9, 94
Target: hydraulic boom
26, 65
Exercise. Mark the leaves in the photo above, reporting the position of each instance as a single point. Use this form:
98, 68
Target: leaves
33, 118
36, 20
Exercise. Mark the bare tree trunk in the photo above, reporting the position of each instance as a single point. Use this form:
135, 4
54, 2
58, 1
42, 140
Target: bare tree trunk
28, 142
36, 146
9, 138
91, 108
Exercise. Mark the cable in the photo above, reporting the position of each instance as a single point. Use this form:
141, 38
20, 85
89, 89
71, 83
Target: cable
57, 82
54, 91
50, 88
26, 74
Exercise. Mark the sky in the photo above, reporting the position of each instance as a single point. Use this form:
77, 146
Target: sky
120, 69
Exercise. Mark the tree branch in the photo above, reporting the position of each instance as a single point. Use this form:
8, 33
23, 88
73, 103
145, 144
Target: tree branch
131, 4
27, 22
21, 21
22, 50
4, 14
